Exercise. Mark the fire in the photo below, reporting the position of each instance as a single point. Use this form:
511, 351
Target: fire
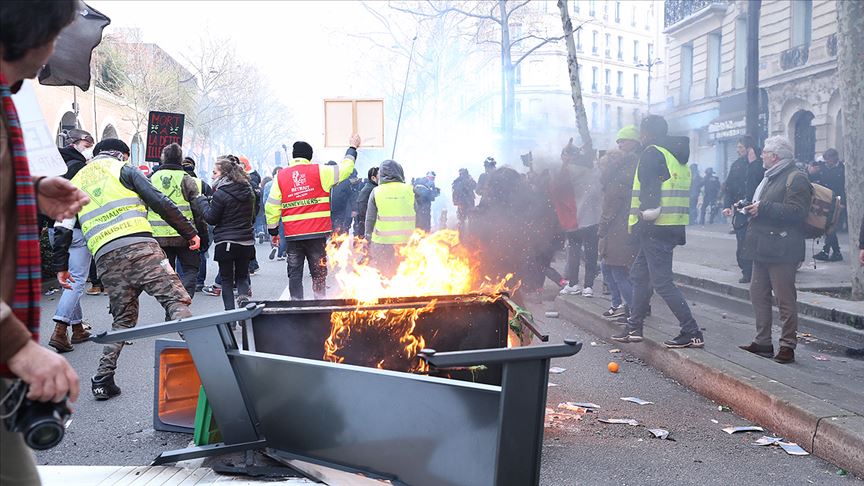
432, 264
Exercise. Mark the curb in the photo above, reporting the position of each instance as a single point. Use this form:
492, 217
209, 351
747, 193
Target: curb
823, 429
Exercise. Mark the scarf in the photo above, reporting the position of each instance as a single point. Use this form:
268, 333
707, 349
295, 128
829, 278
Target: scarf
28, 275
220, 182
769, 174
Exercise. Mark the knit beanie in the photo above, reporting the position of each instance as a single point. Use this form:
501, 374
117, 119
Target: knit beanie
301, 150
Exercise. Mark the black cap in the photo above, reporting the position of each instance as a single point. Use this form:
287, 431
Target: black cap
111, 144
302, 150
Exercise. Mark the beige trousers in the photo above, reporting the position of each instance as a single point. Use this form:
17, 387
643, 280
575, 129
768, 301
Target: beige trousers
779, 278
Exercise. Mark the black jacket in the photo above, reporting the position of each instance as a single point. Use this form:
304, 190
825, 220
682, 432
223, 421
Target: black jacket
74, 159
833, 178
360, 207
231, 211
743, 179
652, 172
135, 181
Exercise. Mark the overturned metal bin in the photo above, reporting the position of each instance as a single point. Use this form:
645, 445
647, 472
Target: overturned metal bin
409, 428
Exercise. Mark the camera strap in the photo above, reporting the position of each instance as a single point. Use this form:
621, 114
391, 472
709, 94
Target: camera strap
5, 412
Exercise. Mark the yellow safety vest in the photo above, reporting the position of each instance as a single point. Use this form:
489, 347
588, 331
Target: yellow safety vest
396, 217
113, 211
674, 194
168, 182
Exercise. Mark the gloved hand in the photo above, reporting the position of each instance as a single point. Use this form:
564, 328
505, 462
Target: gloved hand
651, 214
189, 187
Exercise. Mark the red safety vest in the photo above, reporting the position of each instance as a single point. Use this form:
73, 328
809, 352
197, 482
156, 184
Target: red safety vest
305, 204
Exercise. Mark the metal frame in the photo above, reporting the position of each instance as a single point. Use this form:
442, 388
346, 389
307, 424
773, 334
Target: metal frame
253, 411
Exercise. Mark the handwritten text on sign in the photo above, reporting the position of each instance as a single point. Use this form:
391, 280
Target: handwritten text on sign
163, 129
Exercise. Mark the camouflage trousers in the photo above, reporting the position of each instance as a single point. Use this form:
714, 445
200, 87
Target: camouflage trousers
125, 273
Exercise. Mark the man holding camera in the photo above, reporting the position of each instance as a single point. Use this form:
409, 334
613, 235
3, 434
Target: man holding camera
744, 175
27, 34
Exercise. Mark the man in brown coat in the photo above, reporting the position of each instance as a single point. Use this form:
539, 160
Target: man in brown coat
775, 243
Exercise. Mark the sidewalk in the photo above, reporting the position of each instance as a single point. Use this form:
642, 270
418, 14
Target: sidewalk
818, 404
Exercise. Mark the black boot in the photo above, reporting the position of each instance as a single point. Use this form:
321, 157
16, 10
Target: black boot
104, 387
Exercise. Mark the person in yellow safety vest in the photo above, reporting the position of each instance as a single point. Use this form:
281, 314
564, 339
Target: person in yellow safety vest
299, 200
390, 216
659, 213
128, 259
168, 179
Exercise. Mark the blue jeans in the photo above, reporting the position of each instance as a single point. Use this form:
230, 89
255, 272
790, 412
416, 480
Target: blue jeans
69, 307
617, 278
283, 243
653, 269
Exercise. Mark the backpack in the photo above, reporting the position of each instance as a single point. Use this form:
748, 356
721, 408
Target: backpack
824, 213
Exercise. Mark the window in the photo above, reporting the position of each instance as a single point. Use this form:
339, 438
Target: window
607, 117
636, 52
576, 6
605, 10
579, 40
608, 46
686, 73
740, 72
637, 117
608, 86
618, 12
620, 48
619, 90
650, 52
594, 42
633, 18
636, 86
594, 79
713, 71
518, 111
620, 117
594, 123
592, 11
802, 17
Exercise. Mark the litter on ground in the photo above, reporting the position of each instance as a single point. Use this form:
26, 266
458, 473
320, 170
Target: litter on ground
637, 401
619, 421
555, 370
744, 428
662, 434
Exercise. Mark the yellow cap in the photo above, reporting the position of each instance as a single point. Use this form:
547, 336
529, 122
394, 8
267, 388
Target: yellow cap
629, 132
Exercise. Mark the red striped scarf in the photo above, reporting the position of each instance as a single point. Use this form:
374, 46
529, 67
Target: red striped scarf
28, 275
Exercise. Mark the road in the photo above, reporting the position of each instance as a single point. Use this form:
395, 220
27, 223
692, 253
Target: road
119, 431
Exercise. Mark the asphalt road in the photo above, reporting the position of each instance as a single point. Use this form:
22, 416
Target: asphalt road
119, 431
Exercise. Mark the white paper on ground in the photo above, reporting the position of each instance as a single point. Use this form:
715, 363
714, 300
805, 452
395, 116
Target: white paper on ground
766, 440
42, 154
746, 428
619, 421
585, 405
555, 370
636, 400
793, 449
660, 433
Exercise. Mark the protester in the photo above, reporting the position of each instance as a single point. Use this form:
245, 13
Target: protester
203, 230
390, 216
775, 243
463, 197
745, 174
231, 211
27, 34
659, 212
582, 243
169, 181
276, 251
362, 203
710, 197
342, 199
79, 148
695, 185
483, 181
120, 237
833, 176
616, 253
425, 192
300, 201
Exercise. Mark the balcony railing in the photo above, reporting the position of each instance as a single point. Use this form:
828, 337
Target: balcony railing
677, 10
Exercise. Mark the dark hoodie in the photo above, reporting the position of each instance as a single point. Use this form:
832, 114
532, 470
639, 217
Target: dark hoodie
389, 172
74, 159
652, 172
231, 211
361, 206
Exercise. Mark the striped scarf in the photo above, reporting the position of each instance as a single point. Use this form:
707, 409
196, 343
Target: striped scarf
28, 276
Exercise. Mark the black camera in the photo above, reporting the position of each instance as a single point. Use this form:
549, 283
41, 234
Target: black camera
43, 424
740, 205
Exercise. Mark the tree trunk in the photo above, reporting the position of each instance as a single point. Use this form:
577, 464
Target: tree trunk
575, 84
752, 71
508, 88
850, 74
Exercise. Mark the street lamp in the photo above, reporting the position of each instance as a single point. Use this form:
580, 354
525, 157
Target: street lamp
650, 64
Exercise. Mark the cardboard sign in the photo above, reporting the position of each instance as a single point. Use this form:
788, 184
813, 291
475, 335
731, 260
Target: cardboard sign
42, 154
163, 129
344, 117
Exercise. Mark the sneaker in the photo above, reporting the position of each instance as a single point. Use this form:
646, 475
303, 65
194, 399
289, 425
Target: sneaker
685, 341
835, 257
614, 312
212, 290
199, 288
94, 290
104, 387
822, 256
281, 258
273, 252
588, 292
623, 319
766, 351
628, 336
571, 290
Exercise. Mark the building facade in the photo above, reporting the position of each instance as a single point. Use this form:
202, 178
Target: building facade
616, 41
706, 48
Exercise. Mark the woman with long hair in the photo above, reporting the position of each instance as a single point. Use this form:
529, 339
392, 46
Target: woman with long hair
231, 211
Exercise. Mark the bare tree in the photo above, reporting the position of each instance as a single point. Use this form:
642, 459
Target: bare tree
575, 85
850, 70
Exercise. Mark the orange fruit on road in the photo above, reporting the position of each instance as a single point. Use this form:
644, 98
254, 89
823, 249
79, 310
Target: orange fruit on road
613, 367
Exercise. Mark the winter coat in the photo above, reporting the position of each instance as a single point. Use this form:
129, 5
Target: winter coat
652, 171
615, 247
463, 191
360, 207
390, 171
833, 178
231, 211
775, 234
744, 176
710, 189
74, 159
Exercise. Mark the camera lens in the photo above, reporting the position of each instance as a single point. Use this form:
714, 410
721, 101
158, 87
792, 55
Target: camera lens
44, 434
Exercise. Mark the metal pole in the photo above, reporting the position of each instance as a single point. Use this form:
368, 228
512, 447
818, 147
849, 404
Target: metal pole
752, 72
650, 65
402, 104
